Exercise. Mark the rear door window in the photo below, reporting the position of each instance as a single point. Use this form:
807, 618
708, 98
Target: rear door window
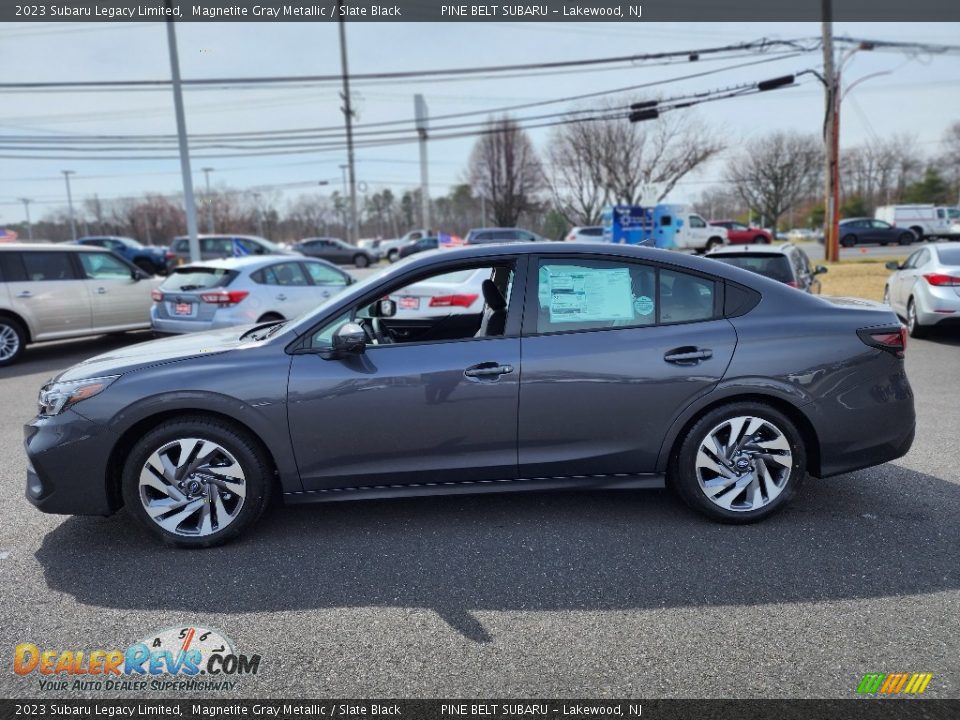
42, 266
286, 274
323, 275
772, 265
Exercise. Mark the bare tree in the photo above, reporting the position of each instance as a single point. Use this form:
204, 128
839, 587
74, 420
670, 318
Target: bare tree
575, 174
775, 173
505, 168
719, 202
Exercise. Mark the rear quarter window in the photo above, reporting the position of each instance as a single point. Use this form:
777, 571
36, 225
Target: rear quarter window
949, 256
771, 265
11, 267
187, 279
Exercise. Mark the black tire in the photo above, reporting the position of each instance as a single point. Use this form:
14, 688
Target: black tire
13, 340
884, 243
848, 240
146, 266
360, 261
712, 243
249, 455
270, 317
914, 327
918, 234
761, 240
685, 480
906, 238
393, 256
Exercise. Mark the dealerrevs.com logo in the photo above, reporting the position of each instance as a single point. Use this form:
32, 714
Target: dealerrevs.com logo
176, 659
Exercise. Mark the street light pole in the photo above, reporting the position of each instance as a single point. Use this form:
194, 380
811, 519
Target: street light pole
352, 231
206, 172
256, 199
73, 220
26, 208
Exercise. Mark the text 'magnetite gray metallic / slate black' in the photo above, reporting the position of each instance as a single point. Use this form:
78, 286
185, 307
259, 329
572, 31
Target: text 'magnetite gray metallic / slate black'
585, 367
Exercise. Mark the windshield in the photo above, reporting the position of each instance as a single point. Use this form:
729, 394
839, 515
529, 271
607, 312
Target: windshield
769, 265
189, 278
130, 242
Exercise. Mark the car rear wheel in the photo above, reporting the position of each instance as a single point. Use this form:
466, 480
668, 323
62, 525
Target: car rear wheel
393, 255
713, 243
762, 240
913, 323
739, 463
12, 340
146, 266
905, 238
361, 261
848, 240
196, 482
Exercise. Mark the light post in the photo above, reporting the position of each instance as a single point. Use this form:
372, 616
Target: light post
73, 220
26, 209
256, 199
206, 173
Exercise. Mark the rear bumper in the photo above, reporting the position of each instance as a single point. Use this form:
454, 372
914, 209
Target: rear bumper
56, 449
863, 426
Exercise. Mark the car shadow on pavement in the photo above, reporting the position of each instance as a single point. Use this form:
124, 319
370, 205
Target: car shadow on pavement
55, 356
885, 532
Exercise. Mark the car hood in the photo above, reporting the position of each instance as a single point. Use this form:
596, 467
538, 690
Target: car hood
156, 352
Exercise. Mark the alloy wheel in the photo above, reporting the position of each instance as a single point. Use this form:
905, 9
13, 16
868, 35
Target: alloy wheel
9, 342
744, 463
192, 487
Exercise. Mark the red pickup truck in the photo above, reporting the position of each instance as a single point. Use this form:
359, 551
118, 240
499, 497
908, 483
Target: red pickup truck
739, 234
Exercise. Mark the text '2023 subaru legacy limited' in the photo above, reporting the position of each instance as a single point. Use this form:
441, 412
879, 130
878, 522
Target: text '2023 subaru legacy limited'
584, 367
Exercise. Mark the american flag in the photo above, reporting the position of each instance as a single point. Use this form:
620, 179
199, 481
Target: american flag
239, 249
7, 235
448, 241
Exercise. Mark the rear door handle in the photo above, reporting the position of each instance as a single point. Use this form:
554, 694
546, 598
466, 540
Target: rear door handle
281, 296
687, 355
490, 370
25, 294
101, 291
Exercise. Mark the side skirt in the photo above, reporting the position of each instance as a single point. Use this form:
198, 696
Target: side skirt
477, 487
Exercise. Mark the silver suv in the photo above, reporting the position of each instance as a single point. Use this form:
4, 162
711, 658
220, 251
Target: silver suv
52, 292
785, 263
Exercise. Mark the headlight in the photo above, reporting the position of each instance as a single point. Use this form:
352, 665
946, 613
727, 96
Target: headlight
58, 396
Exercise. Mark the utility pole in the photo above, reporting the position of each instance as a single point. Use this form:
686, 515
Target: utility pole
420, 115
206, 172
352, 232
831, 128
26, 208
256, 199
188, 199
73, 219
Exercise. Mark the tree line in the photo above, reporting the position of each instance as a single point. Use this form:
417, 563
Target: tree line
589, 162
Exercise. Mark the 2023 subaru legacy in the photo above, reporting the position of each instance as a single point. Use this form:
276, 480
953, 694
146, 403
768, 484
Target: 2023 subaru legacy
585, 367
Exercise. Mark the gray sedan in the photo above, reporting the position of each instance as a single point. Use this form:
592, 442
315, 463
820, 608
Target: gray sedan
585, 367
336, 251
241, 291
925, 289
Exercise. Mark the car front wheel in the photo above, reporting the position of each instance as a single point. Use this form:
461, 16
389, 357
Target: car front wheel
196, 481
848, 240
361, 261
906, 238
739, 463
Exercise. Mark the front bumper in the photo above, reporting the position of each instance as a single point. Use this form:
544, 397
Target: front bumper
67, 465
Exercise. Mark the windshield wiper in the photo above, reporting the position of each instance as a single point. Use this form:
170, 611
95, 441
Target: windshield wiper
270, 328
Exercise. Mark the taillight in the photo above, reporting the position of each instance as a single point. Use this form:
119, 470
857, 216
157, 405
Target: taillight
453, 300
571, 237
793, 283
892, 340
156, 295
941, 280
170, 255
224, 297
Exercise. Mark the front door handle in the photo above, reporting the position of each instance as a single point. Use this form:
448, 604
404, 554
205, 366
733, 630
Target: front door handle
25, 294
490, 370
281, 296
101, 291
687, 355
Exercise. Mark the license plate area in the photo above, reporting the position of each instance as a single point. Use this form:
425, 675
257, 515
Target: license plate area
409, 303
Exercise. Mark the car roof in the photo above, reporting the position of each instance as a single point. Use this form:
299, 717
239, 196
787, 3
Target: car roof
223, 235
755, 248
487, 229
252, 262
50, 247
855, 218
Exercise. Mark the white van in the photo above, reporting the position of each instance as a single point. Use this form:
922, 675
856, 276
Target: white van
675, 226
927, 221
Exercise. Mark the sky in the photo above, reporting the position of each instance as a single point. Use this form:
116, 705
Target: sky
913, 94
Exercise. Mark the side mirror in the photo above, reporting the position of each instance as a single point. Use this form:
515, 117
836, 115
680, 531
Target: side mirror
385, 308
820, 269
350, 339
138, 274
892, 265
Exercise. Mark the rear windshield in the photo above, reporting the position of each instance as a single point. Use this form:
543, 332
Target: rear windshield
769, 265
594, 231
950, 255
198, 278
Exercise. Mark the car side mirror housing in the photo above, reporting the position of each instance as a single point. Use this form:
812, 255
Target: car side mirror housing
893, 265
820, 269
385, 308
138, 274
350, 339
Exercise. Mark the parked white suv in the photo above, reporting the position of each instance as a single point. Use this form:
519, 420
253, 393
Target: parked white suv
52, 292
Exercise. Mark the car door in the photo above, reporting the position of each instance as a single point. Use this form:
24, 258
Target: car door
288, 291
613, 351
117, 299
46, 290
407, 413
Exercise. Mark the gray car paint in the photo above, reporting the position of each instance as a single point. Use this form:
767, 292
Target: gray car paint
411, 419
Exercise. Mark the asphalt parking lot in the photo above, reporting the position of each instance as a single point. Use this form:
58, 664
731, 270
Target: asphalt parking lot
542, 595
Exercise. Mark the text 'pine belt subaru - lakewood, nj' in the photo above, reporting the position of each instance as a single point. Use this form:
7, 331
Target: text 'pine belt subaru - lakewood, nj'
581, 366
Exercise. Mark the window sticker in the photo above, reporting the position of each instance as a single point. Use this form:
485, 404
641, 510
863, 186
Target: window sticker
643, 305
580, 294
